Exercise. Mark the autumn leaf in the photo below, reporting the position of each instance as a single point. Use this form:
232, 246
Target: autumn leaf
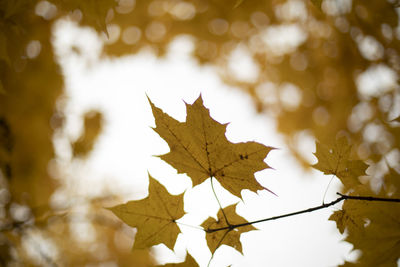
396, 119
392, 183
199, 148
154, 217
238, 3
373, 227
15, 7
229, 237
317, 3
189, 262
93, 121
336, 161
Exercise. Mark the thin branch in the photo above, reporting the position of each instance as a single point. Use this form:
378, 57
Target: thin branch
370, 198
323, 206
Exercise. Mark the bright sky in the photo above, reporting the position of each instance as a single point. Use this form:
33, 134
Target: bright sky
124, 154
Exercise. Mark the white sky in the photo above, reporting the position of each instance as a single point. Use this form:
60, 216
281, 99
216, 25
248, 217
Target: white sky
124, 154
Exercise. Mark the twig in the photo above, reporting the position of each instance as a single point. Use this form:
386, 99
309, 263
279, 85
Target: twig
370, 198
323, 206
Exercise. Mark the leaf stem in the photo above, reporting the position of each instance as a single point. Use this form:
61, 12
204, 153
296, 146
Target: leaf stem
219, 244
219, 203
327, 187
370, 198
323, 206
188, 225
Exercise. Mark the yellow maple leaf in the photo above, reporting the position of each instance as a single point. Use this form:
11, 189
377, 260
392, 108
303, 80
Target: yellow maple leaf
199, 148
229, 237
372, 227
336, 161
189, 262
154, 217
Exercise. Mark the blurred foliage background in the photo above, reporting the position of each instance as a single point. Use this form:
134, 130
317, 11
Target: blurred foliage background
323, 69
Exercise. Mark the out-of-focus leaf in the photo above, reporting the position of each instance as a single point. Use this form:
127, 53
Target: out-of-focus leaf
11, 8
396, 119
336, 161
317, 3
92, 128
373, 227
2, 90
4, 55
238, 3
94, 11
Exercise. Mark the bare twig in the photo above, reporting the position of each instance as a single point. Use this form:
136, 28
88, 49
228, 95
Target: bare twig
323, 206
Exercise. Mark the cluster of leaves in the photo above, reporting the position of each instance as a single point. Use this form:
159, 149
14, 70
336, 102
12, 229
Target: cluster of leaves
323, 68
199, 148
31, 83
367, 224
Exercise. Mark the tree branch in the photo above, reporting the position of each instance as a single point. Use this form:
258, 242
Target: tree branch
323, 206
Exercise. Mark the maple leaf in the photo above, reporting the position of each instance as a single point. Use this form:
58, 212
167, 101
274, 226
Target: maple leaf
336, 161
230, 237
154, 217
372, 227
199, 148
189, 262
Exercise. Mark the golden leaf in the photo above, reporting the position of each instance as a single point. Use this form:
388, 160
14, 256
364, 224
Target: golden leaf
93, 121
200, 149
317, 3
229, 237
154, 217
372, 227
396, 119
336, 161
